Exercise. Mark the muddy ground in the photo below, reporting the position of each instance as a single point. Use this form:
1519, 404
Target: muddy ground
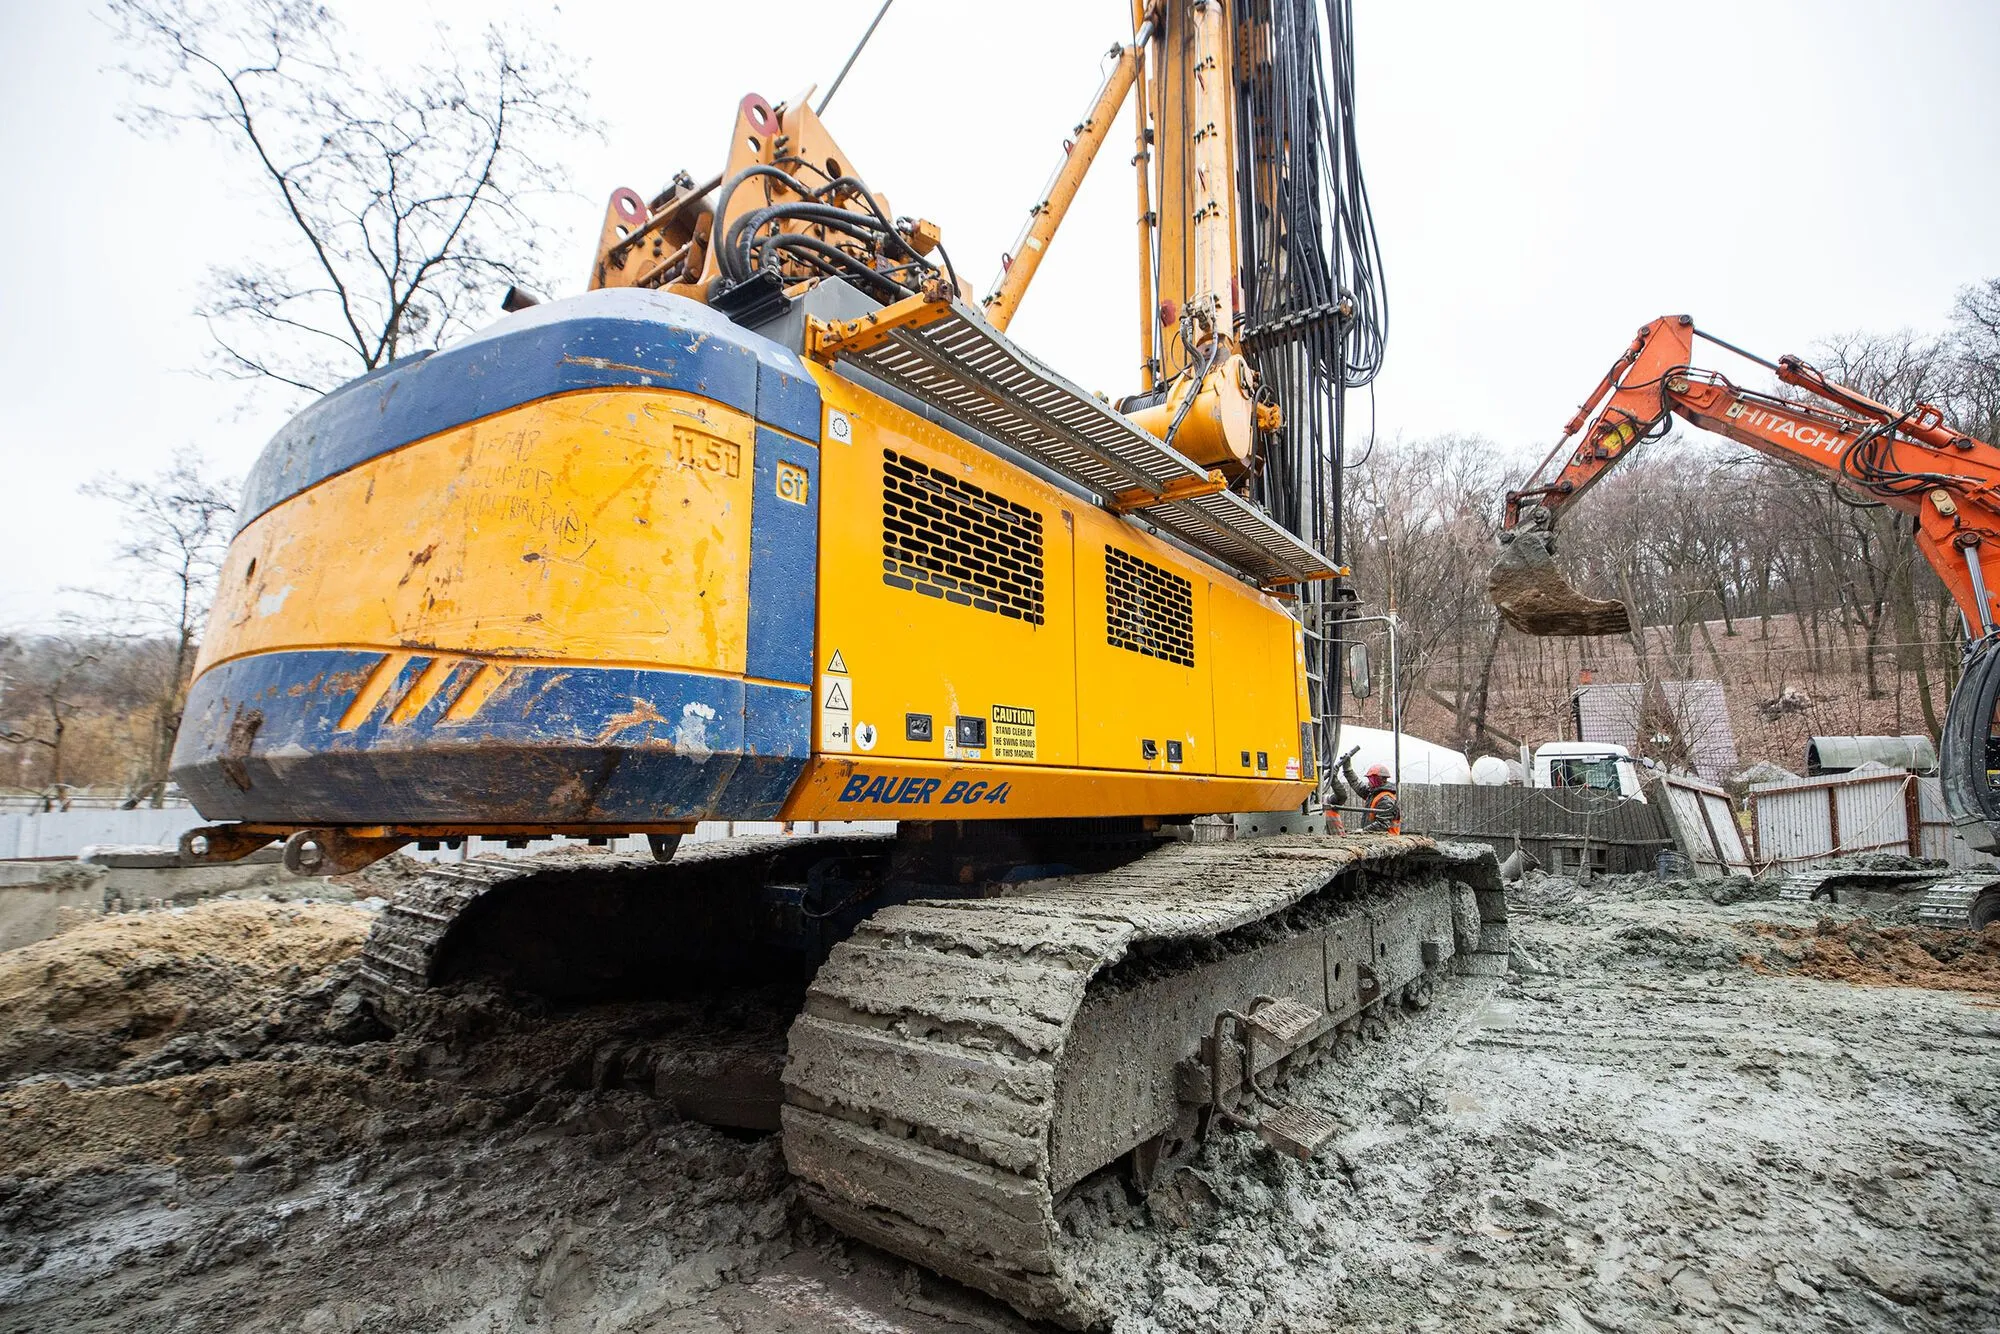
1675, 1114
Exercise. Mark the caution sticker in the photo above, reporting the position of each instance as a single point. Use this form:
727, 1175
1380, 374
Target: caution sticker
1013, 733
836, 713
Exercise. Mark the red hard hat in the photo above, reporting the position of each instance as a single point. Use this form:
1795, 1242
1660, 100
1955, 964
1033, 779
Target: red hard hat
1380, 771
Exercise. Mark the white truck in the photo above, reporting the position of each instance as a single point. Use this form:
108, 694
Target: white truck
1593, 764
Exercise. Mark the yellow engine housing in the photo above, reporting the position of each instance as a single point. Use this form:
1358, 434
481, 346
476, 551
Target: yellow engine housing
620, 562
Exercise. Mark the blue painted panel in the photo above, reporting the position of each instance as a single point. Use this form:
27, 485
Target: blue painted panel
552, 745
787, 397
784, 560
777, 742
604, 339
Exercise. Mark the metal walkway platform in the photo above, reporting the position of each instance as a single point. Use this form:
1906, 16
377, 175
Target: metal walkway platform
943, 352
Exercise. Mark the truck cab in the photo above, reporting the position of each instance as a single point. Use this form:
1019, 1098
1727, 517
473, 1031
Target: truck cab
1598, 765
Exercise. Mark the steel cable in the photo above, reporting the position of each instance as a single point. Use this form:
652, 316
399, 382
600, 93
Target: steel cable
1316, 318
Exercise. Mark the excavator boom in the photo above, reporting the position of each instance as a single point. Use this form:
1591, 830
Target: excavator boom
1911, 460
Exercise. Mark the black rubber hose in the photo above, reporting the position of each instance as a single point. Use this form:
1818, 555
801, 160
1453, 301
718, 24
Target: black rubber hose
724, 255
869, 277
742, 231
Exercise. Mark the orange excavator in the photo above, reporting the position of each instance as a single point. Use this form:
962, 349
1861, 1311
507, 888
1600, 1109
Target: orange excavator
1909, 459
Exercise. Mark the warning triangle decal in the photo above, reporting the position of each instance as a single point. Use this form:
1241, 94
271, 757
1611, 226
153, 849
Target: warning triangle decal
836, 698
838, 664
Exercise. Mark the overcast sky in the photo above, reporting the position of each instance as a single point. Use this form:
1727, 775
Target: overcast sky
1546, 177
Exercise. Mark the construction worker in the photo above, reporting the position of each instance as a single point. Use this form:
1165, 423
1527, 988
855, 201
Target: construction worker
1377, 793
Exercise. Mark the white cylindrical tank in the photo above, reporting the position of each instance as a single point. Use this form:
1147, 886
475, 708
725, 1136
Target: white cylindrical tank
1492, 771
1423, 761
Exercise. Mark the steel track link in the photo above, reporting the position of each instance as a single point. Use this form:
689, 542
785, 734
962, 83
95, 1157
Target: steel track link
400, 958
959, 1065
1952, 901
1808, 885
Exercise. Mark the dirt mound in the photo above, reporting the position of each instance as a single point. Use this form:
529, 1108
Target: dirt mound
1859, 951
121, 987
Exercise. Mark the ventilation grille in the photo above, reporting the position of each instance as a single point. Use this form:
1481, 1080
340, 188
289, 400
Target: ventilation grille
1147, 609
949, 539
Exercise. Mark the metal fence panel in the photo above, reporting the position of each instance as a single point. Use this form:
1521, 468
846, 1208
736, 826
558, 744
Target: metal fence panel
66, 833
1562, 829
1874, 815
1729, 835
1805, 822
1793, 824
1703, 821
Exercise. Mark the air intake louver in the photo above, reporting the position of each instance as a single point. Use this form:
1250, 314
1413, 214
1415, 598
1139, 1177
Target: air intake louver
952, 540
1147, 609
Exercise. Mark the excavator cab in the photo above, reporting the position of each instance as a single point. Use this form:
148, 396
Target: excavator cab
1970, 755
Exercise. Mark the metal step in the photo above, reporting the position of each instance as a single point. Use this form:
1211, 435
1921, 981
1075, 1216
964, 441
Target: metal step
1284, 1021
944, 353
1299, 1131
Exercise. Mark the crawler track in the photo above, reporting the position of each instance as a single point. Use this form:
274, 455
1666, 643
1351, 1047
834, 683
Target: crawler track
1828, 882
1961, 901
960, 1065
578, 929
1954, 900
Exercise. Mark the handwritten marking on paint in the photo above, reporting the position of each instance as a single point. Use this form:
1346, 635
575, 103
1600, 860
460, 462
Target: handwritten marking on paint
884, 790
691, 737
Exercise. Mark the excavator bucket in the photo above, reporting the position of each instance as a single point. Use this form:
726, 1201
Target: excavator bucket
1534, 598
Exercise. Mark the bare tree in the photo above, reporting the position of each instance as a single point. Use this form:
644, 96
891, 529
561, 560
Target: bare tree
1424, 513
1974, 351
42, 689
175, 534
405, 193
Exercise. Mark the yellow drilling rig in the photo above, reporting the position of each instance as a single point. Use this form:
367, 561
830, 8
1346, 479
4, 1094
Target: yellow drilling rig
776, 523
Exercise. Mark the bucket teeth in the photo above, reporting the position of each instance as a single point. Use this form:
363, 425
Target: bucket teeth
1283, 1022
1299, 1131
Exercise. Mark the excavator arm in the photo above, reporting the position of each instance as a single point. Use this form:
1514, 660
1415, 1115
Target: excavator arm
1911, 460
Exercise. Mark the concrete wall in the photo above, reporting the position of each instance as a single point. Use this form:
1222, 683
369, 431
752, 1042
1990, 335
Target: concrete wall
45, 834
66, 833
35, 909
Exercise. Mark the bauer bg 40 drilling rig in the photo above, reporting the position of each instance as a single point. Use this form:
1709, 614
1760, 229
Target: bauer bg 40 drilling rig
775, 523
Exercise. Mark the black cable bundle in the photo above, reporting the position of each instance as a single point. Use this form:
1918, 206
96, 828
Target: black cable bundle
1316, 317
756, 243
